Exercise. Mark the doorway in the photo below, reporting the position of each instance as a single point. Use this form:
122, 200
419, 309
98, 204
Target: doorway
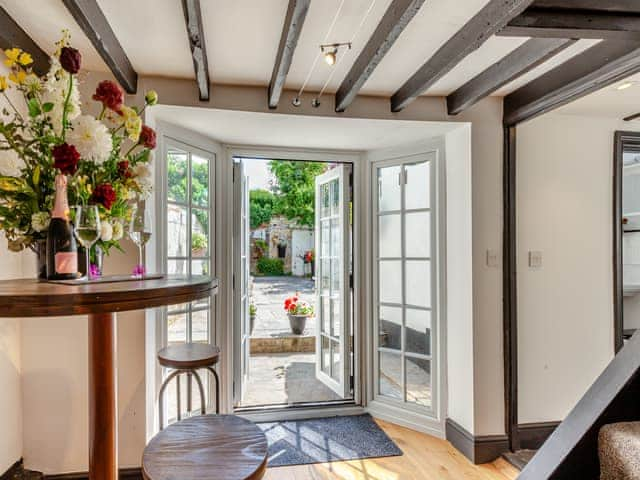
293, 301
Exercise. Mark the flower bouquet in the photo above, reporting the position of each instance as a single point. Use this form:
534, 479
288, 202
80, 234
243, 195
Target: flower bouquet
106, 158
298, 311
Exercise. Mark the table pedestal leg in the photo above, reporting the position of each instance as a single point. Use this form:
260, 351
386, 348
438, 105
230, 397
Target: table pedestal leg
103, 434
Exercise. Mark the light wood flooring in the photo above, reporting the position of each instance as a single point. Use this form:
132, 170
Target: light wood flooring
425, 458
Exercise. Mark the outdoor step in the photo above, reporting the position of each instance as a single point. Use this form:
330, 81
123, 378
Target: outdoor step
284, 344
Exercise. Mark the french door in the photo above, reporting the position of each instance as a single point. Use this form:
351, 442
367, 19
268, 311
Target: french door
405, 282
332, 237
242, 329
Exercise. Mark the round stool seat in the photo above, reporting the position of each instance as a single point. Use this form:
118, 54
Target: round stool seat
189, 355
220, 447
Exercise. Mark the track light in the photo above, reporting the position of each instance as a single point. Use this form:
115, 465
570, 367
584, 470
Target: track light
330, 51
315, 103
296, 102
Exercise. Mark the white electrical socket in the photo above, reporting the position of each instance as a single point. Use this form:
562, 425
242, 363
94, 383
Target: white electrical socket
535, 259
492, 258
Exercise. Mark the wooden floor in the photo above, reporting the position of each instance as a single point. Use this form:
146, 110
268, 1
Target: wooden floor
425, 458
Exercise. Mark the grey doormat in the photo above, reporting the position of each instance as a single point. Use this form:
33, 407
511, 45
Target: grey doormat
321, 440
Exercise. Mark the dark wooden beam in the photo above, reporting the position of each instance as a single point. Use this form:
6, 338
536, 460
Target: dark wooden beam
554, 23
621, 6
599, 66
491, 18
631, 117
293, 22
394, 21
195, 32
91, 19
524, 58
12, 35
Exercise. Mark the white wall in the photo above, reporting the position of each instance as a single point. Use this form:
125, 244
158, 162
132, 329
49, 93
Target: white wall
565, 307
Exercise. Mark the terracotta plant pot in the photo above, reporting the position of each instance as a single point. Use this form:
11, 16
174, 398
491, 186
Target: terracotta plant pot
297, 323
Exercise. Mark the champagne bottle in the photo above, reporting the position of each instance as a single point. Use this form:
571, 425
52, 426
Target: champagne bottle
62, 252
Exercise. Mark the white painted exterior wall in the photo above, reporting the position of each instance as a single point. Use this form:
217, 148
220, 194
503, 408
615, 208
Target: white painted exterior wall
301, 241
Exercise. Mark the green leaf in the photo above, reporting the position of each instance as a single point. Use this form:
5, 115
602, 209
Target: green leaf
34, 107
36, 176
47, 107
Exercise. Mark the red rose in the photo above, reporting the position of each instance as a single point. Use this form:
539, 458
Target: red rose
123, 169
147, 137
70, 59
65, 158
110, 94
104, 195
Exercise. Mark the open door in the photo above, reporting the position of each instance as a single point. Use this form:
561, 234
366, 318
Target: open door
332, 280
242, 331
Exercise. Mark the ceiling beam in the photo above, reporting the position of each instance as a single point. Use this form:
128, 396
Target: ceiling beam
491, 18
12, 35
92, 21
195, 32
293, 22
599, 66
554, 23
621, 6
523, 59
394, 21
631, 117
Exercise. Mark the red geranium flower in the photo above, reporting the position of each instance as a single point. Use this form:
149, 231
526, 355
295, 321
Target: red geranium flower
104, 195
147, 137
110, 94
123, 169
70, 59
65, 158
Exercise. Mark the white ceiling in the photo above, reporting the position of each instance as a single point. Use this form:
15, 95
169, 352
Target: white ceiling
297, 131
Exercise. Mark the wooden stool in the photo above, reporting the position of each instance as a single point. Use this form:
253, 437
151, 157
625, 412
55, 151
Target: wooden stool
187, 358
210, 447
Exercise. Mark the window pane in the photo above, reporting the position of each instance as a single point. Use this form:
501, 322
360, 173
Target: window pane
390, 281
200, 326
326, 313
325, 276
335, 277
390, 377
418, 283
388, 188
325, 207
335, 238
417, 189
178, 267
418, 331
177, 328
390, 327
417, 239
177, 175
335, 366
176, 231
200, 267
325, 355
389, 235
199, 233
203, 302
335, 197
199, 180
179, 307
325, 245
418, 381
335, 316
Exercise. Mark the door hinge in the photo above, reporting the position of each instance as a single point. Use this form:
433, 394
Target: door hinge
351, 280
233, 281
351, 382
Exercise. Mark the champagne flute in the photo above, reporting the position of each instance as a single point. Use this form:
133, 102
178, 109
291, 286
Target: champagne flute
140, 232
87, 229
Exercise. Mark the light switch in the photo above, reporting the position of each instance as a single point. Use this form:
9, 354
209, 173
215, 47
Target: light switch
492, 258
535, 259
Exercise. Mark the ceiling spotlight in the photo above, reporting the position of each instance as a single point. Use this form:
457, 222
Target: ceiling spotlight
315, 103
624, 86
296, 102
330, 51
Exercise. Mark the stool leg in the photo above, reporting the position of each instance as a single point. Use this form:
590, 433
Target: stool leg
178, 397
203, 405
189, 375
215, 374
161, 396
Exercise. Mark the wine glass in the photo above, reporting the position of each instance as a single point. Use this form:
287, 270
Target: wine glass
140, 232
87, 229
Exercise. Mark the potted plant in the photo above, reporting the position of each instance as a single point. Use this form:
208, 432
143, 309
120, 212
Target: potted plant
298, 311
252, 317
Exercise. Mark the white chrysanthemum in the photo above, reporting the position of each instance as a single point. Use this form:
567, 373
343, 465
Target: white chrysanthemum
11, 164
40, 221
106, 231
118, 231
144, 178
91, 138
56, 87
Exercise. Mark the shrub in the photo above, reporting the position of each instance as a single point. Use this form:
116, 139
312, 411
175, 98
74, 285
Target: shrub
270, 266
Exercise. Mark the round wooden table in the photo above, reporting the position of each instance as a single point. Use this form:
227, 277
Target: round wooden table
209, 447
100, 301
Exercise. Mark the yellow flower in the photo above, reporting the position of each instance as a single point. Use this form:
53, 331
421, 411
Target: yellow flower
132, 123
18, 77
25, 59
12, 56
3, 83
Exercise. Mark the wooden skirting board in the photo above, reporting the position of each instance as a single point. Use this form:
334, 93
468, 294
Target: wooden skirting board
478, 449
